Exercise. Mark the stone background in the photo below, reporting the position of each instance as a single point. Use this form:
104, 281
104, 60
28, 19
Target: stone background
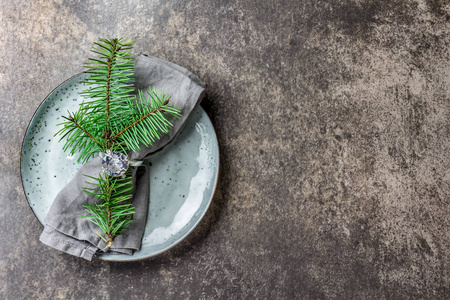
333, 119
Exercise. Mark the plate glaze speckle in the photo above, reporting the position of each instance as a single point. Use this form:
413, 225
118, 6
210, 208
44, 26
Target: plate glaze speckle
183, 176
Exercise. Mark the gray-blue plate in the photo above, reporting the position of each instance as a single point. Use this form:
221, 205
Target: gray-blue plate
183, 176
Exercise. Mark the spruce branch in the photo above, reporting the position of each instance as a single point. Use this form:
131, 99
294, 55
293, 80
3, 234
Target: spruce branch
146, 120
138, 121
111, 215
79, 138
71, 119
114, 117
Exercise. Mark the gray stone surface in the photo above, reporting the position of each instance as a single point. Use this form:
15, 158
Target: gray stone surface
333, 124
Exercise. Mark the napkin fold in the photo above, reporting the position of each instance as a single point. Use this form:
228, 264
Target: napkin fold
64, 228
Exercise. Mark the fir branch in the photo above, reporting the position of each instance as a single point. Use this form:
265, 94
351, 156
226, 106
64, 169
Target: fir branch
78, 136
110, 214
113, 118
147, 120
71, 119
139, 120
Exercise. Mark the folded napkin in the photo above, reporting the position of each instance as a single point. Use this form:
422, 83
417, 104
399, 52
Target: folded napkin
64, 228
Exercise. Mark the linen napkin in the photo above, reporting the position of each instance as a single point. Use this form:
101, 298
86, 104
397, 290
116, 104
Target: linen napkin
64, 228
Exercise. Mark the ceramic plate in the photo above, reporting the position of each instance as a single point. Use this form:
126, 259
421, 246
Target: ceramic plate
183, 176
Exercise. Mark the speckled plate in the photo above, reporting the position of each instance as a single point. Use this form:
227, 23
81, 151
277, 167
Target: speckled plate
183, 176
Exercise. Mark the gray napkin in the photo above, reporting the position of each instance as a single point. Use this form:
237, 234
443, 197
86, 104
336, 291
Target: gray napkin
64, 229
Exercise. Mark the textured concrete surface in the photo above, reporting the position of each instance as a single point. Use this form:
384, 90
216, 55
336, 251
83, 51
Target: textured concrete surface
333, 119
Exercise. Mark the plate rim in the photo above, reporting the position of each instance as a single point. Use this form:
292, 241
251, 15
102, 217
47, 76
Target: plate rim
25, 135
217, 173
